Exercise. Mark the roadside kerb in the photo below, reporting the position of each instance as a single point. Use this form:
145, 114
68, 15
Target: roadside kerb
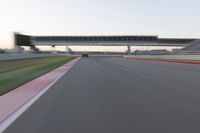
16, 99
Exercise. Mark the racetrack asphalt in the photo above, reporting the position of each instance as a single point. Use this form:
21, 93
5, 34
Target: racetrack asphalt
117, 95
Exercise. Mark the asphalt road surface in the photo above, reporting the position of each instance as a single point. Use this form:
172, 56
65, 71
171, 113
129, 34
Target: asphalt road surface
116, 95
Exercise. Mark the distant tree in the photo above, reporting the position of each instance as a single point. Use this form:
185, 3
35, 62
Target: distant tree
2, 51
70, 50
35, 50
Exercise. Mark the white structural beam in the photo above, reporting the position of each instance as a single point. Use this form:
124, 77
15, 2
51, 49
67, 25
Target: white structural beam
104, 43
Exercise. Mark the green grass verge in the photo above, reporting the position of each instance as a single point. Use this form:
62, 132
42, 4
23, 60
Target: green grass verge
14, 73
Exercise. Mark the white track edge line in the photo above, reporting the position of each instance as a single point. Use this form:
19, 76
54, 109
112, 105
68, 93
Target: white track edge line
6, 123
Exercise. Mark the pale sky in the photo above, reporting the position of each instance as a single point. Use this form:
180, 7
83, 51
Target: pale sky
166, 18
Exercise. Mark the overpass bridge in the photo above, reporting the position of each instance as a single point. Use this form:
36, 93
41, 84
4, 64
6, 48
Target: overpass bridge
32, 41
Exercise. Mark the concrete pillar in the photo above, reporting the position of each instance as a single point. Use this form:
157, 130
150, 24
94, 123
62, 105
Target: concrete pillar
129, 49
66, 49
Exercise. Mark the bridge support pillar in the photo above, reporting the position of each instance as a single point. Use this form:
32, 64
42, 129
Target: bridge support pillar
66, 49
128, 49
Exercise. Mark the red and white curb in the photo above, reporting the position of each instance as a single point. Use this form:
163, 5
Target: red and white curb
166, 60
14, 103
